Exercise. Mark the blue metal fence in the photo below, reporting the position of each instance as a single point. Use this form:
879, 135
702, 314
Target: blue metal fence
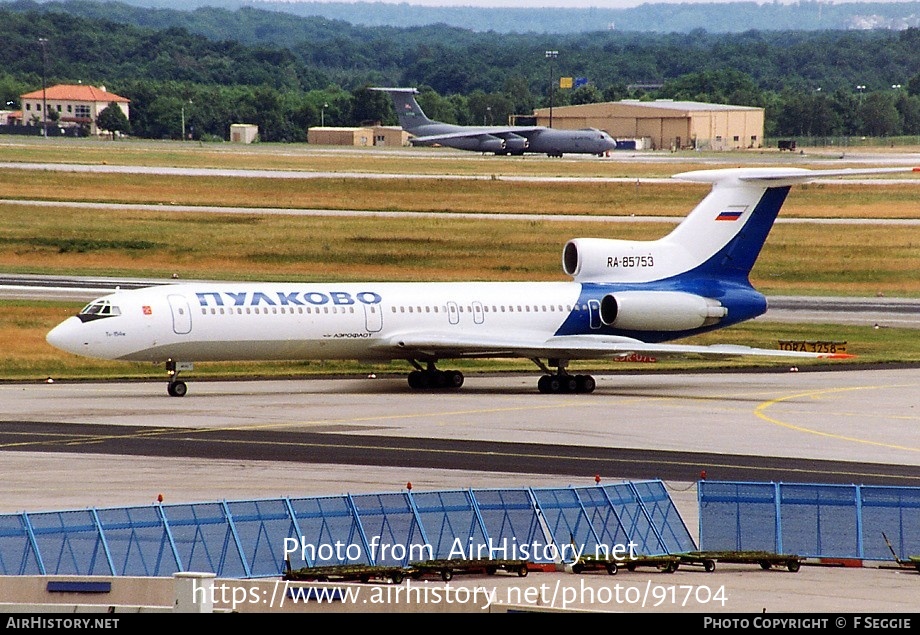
810, 520
252, 538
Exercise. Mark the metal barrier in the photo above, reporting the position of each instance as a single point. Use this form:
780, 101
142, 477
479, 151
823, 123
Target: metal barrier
253, 538
810, 520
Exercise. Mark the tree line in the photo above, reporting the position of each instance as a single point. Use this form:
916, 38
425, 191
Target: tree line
830, 83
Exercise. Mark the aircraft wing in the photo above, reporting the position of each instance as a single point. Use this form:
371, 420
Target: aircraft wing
451, 345
495, 131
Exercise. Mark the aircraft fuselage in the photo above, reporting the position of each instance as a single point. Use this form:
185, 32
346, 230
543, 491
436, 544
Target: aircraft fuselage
288, 321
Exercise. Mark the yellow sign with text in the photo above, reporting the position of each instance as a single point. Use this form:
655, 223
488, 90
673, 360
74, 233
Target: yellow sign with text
816, 346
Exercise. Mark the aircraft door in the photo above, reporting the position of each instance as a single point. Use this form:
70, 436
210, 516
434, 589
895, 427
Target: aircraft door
453, 313
181, 314
478, 314
373, 317
594, 311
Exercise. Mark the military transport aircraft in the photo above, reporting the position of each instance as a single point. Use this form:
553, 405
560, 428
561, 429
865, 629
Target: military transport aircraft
626, 298
513, 140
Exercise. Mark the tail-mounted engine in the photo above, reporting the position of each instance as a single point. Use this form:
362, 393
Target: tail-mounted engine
606, 260
659, 311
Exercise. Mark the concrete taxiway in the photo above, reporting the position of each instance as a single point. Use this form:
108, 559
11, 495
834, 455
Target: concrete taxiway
868, 417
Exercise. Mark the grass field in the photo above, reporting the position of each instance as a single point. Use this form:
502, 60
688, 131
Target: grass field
798, 259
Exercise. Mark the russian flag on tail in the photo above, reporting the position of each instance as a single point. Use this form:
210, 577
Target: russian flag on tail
731, 213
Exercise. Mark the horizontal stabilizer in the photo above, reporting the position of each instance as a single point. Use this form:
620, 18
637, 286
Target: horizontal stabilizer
775, 177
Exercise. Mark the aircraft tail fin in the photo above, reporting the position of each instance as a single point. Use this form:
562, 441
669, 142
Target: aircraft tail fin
728, 229
721, 238
410, 114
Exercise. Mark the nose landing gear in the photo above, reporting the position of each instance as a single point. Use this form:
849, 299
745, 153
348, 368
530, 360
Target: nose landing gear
176, 387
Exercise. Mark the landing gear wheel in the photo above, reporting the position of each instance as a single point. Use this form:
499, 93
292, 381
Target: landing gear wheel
612, 568
432, 378
709, 565
578, 567
562, 383
765, 565
454, 379
176, 389
793, 565
586, 383
523, 571
447, 575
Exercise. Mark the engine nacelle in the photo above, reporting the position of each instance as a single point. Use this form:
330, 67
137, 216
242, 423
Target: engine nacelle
609, 260
516, 143
491, 144
659, 311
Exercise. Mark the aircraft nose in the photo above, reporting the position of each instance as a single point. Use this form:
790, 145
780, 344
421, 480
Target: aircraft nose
66, 336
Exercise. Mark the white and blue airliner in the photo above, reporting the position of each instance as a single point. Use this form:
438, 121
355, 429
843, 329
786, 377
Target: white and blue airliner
627, 299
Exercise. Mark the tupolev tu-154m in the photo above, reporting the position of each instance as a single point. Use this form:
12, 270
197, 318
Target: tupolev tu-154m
513, 140
626, 298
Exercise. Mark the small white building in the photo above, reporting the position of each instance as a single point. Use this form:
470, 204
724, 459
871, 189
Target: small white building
244, 132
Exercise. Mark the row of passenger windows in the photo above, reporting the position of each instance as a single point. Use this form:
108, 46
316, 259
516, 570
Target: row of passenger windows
495, 308
485, 308
275, 310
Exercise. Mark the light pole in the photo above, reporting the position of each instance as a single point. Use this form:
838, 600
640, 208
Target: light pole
322, 115
183, 119
43, 41
551, 55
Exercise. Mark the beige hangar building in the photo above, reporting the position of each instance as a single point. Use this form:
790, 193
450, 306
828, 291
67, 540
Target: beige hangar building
665, 124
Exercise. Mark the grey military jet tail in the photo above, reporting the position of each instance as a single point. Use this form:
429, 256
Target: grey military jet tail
500, 140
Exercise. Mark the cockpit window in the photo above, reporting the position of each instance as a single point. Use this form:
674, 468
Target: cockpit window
98, 309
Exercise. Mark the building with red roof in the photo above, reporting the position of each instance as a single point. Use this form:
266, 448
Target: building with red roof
71, 105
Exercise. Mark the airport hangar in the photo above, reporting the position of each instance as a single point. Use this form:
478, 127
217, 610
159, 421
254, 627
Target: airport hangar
664, 123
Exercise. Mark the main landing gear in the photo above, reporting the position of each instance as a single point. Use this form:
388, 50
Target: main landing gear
431, 378
176, 387
561, 381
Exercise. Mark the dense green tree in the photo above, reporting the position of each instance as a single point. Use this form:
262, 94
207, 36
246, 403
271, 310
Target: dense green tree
879, 115
913, 85
370, 106
211, 68
588, 94
10, 90
615, 92
909, 109
517, 90
112, 119
437, 107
